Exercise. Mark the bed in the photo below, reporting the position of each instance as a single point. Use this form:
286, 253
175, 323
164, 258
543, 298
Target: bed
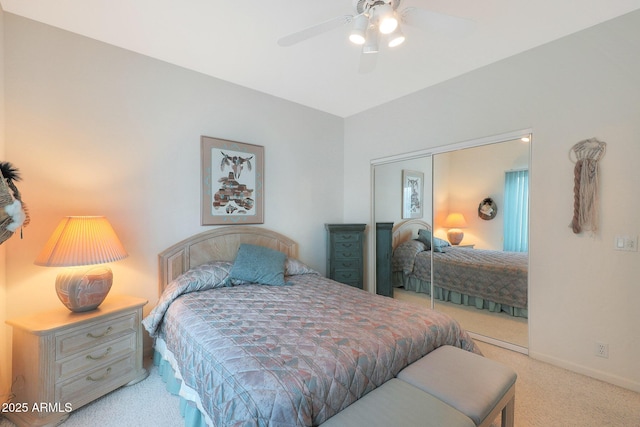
285, 354
486, 279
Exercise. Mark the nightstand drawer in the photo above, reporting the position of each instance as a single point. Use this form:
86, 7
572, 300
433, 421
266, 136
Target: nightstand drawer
96, 381
93, 334
96, 356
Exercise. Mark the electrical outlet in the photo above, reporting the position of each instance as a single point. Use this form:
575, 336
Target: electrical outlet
602, 349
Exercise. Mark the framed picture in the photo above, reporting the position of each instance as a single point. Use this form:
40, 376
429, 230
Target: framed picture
232, 182
412, 194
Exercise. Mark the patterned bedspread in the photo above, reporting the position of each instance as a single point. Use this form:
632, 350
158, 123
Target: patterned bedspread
493, 275
293, 355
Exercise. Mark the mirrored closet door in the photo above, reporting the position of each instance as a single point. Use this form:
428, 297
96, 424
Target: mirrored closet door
474, 263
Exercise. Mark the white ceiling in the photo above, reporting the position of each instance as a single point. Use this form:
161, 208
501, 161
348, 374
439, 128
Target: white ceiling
236, 41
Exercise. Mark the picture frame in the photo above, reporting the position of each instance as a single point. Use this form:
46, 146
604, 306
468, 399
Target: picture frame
412, 194
232, 182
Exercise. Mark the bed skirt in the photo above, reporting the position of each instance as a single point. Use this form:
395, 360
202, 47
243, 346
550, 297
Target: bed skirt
412, 283
190, 406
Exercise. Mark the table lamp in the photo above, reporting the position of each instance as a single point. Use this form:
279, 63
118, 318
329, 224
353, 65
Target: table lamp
82, 241
454, 222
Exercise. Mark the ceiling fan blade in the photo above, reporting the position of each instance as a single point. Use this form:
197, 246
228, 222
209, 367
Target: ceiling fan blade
368, 63
315, 30
451, 26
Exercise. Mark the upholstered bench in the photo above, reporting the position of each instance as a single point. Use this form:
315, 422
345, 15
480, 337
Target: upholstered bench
397, 403
478, 387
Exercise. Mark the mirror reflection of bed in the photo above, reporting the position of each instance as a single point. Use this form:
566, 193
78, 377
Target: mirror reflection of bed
483, 289
458, 181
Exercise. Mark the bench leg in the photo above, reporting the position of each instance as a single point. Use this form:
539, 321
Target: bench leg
508, 413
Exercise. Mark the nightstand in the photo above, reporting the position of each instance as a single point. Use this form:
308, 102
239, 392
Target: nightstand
345, 253
63, 360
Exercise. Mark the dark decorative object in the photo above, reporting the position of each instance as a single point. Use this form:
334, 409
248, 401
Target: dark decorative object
13, 212
384, 249
487, 209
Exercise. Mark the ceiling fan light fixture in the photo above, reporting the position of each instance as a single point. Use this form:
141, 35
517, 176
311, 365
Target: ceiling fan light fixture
387, 21
371, 45
358, 33
396, 38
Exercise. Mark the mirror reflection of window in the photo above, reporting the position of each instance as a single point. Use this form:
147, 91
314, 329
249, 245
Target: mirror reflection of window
516, 211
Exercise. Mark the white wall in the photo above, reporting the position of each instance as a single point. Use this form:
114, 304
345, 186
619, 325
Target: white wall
585, 85
96, 129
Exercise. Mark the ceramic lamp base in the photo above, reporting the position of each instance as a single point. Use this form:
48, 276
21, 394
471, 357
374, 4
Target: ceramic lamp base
84, 289
455, 236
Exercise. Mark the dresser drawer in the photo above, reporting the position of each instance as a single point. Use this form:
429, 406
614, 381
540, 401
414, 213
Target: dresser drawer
92, 334
96, 356
347, 251
96, 382
340, 237
347, 264
347, 276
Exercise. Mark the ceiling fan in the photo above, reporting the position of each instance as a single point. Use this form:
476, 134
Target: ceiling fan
379, 20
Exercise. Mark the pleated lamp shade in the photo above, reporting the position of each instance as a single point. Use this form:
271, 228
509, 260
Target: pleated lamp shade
82, 241
454, 222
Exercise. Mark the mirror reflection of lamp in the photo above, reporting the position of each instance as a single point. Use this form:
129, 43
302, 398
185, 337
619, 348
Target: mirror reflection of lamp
454, 222
82, 241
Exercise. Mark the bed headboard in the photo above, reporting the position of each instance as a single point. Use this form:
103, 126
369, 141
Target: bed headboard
220, 244
407, 230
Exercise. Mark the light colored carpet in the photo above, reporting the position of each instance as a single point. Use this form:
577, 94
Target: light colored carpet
145, 404
546, 396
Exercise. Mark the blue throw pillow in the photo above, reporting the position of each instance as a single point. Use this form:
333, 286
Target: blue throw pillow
424, 236
258, 264
439, 244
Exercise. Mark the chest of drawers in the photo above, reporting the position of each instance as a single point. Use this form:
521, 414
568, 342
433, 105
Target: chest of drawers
63, 360
345, 253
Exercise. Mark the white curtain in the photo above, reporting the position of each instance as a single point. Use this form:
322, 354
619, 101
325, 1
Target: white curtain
516, 211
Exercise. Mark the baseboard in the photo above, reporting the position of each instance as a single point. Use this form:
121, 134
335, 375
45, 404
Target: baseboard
593, 373
499, 343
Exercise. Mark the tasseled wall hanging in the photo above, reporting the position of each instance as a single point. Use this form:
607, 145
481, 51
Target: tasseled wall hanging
587, 153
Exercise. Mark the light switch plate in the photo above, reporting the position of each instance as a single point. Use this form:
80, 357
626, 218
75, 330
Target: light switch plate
626, 243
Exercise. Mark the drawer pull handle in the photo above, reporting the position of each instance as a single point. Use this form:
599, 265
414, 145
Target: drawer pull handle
106, 374
102, 356
346, 245
346, 254
107, 331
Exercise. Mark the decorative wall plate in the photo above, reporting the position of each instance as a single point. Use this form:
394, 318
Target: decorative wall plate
487, 209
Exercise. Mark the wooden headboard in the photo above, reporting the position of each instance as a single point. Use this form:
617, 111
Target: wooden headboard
407, 230
220, 244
